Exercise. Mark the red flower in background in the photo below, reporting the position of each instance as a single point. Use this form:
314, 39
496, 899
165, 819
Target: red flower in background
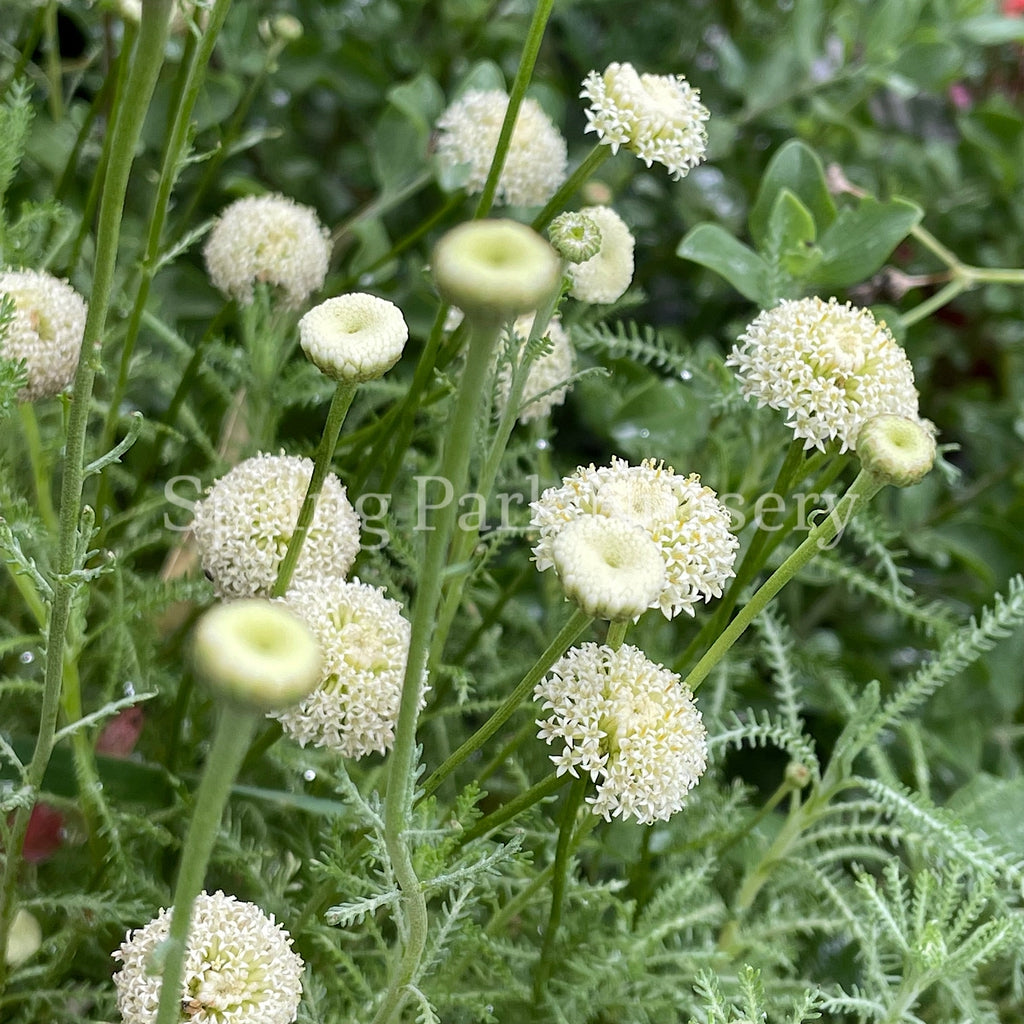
45, 833
121, 733
1013, 8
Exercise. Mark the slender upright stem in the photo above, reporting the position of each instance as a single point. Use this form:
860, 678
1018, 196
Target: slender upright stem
548, 785
235, 729
572, 185
40, 467
321, 467
129, 115
401, 765
567, 635
861, 491
534, 37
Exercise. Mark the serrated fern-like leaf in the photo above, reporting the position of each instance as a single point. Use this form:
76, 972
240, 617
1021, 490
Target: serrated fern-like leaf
639, 343
761, 730
777, 645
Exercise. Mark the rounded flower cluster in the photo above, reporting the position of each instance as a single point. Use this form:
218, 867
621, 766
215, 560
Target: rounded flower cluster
243, 526
46, 331
630, 724
546, 378
271, 239
658, 117
605, 276
354, 338
239, 967
609, 567
365, 643
684, 518
468, 136
830, 366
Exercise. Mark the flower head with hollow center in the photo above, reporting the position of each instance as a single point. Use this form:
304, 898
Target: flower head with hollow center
608, 566
467, 136
627, 722
830, 366
354, 338
897, 450
47, 330
547, 375
685, 519
243, 526
575, 236
239, 967
606, 275
365, 642
269, 239
494, 270
658, 117
257, 653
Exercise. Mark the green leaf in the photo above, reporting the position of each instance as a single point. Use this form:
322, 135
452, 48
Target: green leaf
862, 238
993, 30
713, 247
889, 24
790, 239
420, 100
795, 167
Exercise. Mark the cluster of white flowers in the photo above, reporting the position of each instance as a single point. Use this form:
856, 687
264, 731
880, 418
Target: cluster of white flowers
364, 639
354, 338
684, 518
830, 366
627, 722
243, 526
468, 137
47, 330
239, 967
546, 378
605, 276
658, 117
269, 239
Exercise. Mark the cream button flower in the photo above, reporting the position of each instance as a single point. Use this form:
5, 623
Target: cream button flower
605, 276
354, 338
268, 239
658, 117
896, 450
609, 567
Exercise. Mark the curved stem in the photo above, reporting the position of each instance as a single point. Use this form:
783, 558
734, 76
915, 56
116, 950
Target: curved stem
573, 183
340, 403
548, 785
401, 765
531, 47
133, 103
861, 491
561, 643
235, 728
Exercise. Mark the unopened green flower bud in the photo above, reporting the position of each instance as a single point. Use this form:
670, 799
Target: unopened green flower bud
257, 653
575, 236
797, 774
495, 270
283, 28
896, 450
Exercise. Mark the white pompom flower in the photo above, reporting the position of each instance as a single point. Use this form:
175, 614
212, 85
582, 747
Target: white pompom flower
365, 643
658, 117
243, 526
467, 136
627, 722
354, 338
46, 332
239, 967
684, 518
605, 276
830, 366
270, 239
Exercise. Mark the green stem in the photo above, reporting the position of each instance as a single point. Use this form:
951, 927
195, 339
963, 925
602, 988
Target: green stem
572, 185
531, 47
616, 634
129, 116
188, 84
53, 68
235, 728
401, 766
321, 467
567, 635
548, 785
382, 204
751, 563
40, 468
542, 970
934, 302
861, 491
